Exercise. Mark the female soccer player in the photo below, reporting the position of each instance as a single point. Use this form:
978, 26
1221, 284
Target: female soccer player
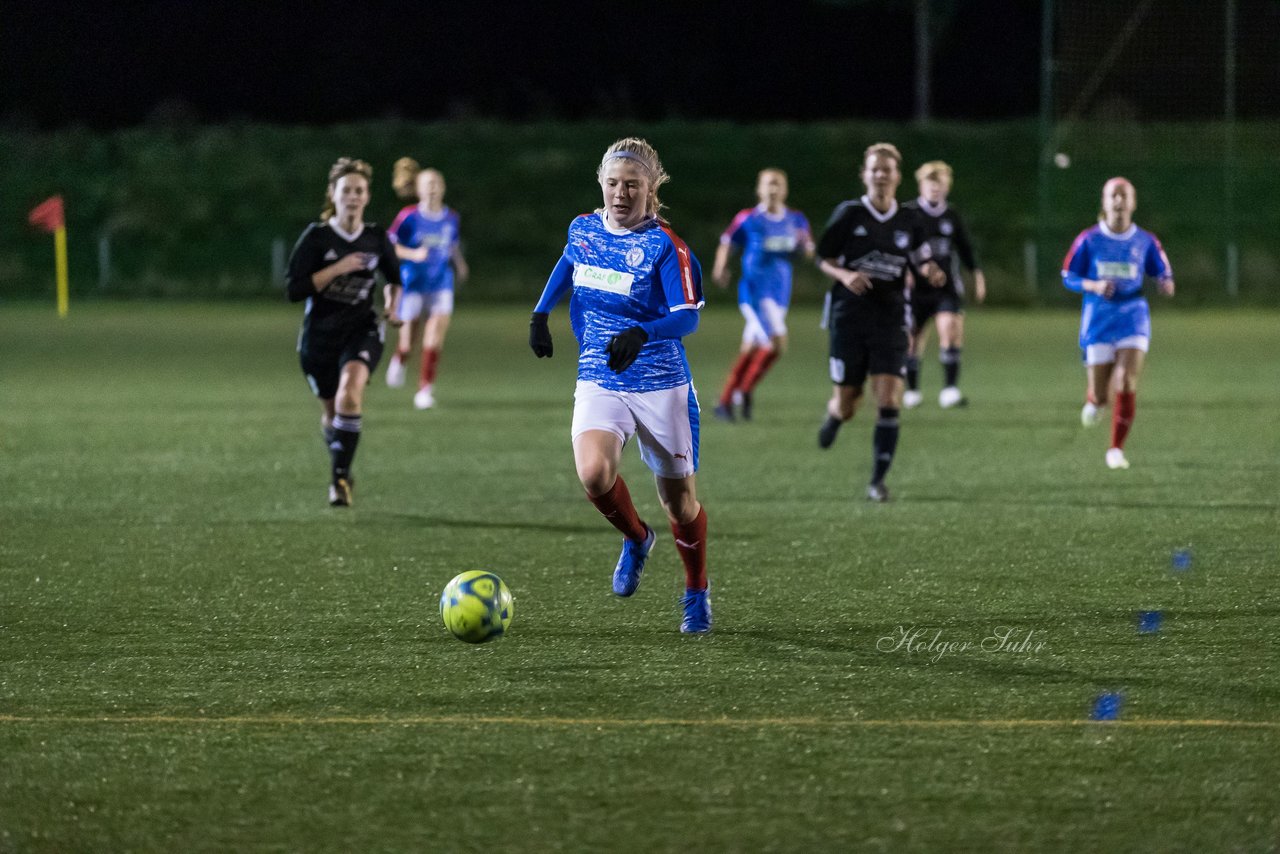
637, 290
332, 268
869, 248
1108, 263
948, 239
768, 235
426, 240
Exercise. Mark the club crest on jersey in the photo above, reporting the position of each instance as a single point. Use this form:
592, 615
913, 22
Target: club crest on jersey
635, 256
901, 239
945, 227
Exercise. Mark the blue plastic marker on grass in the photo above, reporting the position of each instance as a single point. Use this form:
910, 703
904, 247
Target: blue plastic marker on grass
1149, 622
1181, 559
1106, 707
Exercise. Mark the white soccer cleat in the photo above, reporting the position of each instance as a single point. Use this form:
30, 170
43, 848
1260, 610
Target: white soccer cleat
1116, 459
1090, 415
912, 398
950, 397
424, 399
395, 373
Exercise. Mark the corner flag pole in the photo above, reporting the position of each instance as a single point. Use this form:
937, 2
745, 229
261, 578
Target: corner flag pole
49, 216
60, 267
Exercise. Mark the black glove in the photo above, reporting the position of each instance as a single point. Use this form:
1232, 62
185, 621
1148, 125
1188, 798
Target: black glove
539, 335
624, 347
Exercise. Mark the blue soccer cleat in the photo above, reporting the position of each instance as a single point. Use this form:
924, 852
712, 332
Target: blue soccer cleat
626, 575
697, 612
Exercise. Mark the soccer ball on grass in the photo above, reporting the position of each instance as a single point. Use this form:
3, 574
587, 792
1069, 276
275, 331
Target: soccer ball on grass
476, 606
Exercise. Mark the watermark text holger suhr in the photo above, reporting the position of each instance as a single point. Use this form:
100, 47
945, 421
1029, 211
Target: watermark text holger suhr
915, 640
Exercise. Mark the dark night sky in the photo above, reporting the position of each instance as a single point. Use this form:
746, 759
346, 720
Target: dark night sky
113, 64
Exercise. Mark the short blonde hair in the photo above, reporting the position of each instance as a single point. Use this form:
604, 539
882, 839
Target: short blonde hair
640, 152
404, 177
936, 170
341, 168
888, 149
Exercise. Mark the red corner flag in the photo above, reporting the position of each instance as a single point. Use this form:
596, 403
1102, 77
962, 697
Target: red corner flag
48, 215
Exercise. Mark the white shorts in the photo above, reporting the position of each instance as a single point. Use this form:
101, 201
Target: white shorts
415, 304
1105, 354
664, 422
771, 321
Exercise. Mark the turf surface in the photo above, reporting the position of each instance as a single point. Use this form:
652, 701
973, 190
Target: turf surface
196, 653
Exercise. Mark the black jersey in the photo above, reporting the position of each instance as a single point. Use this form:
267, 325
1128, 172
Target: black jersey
348, 300
948, 242
884, 247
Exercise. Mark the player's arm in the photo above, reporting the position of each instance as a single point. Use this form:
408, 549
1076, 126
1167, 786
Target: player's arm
681, 278
830, 248
805, 242
731, 235
1075, 271
401, 233
964, 248
390, 269
558, 284
1158, 267
920, 261
460, 267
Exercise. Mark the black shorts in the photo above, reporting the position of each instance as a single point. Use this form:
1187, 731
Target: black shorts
860, 347
927, 301
323, 353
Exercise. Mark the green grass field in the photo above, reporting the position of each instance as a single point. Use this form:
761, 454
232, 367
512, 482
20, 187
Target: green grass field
197, 654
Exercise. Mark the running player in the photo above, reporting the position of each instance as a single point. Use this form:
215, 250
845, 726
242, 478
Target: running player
949, 244
869, 248
426, 240
636, 292
332, 268
769, 235
1108, 263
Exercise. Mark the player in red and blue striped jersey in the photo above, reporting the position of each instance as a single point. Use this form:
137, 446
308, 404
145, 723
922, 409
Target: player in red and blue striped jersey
1108, 263
636, 291
769, 236
426, 239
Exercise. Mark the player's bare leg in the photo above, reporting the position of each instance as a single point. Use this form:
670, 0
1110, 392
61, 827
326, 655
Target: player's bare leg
887, 389
1097, 392
404, 346
348, 407
1124, 384
840, 408
950, 342
596, 455
689, 526
433, 335
912, 397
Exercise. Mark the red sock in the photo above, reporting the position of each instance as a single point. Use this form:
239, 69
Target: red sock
615, 505
1122, 417
735, 375
759, 367
691, 543
429, 359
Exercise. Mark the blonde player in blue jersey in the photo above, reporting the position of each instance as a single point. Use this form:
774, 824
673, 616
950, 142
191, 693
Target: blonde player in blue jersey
769, 235
426, 239
636, 291
1108, 263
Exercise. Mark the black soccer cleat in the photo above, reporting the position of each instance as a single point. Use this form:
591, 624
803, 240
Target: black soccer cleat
878, 493
746, 406
827, 432
340, 493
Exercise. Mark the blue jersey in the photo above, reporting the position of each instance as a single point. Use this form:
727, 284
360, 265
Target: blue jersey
768, 244
620, 279
439, 233
1125, 259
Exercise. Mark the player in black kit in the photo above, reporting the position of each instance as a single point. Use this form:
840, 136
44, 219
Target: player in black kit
870, 248
332, 268
949, 242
